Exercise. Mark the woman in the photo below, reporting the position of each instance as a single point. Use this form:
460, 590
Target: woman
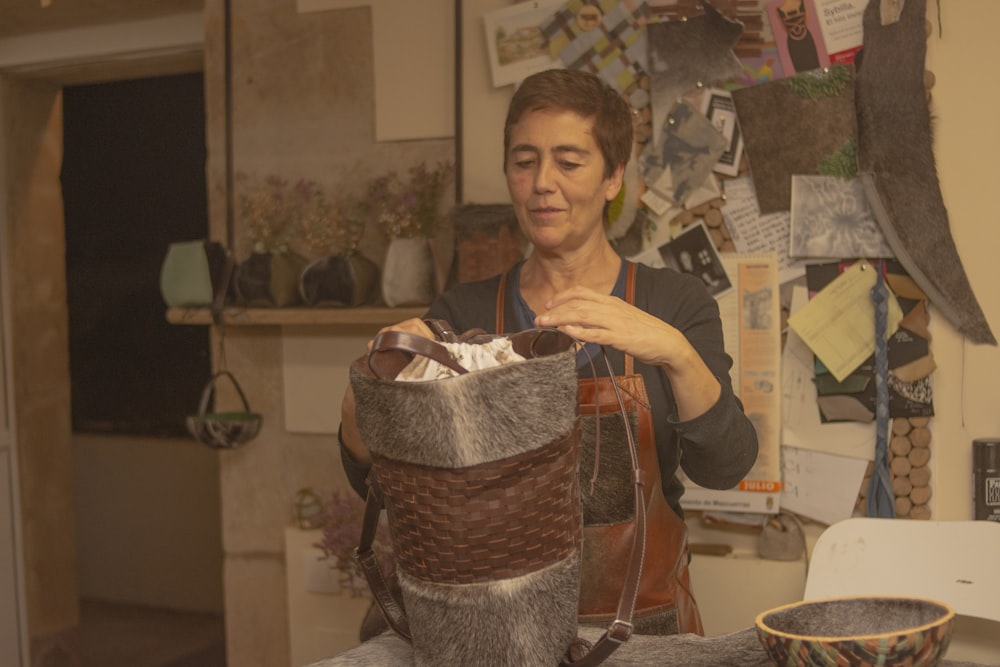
567, 139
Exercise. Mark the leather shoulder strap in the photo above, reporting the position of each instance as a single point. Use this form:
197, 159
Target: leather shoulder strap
501, 291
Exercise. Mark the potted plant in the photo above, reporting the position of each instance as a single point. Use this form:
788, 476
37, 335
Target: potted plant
269, 213
410, 212
338, 275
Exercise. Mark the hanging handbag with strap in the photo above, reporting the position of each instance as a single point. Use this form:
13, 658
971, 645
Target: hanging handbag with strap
665, 603
480, 477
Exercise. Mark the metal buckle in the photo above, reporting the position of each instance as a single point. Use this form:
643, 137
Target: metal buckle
625, 626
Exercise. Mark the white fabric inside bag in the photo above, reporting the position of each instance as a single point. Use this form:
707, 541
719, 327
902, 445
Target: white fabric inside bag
471, 356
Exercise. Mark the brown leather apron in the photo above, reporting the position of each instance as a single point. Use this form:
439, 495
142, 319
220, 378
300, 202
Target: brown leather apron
665, 604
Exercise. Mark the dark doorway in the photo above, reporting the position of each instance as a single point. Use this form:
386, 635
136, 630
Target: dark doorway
133, 180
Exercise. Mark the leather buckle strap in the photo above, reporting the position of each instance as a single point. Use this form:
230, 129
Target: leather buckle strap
620, 631
391, 608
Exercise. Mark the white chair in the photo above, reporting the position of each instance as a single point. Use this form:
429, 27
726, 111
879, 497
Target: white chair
955, 562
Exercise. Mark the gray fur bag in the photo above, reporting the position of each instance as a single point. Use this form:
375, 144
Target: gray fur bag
479, 476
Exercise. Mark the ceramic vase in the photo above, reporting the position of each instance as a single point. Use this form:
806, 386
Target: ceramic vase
408, 273
339, 280
269, 279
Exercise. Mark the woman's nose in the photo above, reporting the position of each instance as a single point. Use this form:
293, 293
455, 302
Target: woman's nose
543, 177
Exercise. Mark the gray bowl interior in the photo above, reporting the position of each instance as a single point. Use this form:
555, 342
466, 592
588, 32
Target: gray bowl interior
854, 617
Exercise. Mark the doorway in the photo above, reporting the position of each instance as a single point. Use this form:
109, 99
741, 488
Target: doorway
148, 537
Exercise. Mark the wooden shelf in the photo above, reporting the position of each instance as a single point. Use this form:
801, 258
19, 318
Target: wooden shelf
295, 316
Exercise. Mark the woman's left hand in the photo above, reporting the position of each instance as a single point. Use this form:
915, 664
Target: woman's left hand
607, 320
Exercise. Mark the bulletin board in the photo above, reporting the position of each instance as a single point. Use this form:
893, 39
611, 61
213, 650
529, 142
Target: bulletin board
747, 72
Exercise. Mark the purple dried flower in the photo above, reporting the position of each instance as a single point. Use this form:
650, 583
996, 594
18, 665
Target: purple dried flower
340, 520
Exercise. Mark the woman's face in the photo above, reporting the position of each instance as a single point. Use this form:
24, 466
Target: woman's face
555, 174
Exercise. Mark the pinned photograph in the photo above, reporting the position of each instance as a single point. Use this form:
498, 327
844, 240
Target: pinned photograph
718, 107
692, 251
688, 148
798, 35
514, 40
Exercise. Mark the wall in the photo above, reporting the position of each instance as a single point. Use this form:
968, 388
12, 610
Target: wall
965, 145
147, 522
303, 106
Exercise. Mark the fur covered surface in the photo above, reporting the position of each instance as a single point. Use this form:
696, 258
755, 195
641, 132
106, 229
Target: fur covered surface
741, 649
896, 162
612, 500
517, 622
737, 649
474, 418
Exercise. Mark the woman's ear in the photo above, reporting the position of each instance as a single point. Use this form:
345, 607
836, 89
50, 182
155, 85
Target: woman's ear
615, 183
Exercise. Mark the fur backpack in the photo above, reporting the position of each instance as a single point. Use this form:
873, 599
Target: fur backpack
479, 474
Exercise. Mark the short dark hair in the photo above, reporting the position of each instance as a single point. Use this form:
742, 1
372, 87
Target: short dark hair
583, 93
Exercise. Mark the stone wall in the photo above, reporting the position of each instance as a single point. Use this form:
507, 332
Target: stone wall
302, 107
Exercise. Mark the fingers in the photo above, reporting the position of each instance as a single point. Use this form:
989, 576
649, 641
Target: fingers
580, 307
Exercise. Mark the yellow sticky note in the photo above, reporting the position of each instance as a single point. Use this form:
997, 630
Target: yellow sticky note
838, 324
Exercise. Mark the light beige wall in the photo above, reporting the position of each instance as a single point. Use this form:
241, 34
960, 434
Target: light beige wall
966, 145
148, 522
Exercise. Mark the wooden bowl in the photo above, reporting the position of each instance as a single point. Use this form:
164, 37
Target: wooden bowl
857, 631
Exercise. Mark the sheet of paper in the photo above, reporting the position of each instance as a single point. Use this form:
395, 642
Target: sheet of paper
800, 420
838, 324
752, 232
820, 486
751, 320
841, 24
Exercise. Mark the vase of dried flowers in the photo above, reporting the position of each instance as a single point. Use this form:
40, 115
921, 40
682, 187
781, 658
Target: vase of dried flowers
338, 274
410, 217
269, 211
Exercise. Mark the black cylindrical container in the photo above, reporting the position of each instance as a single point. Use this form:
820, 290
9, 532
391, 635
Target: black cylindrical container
986, 479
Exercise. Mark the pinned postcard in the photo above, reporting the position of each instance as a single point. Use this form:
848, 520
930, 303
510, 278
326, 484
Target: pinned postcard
798, 35
718, 107
688, 148
692, 251
514, 40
